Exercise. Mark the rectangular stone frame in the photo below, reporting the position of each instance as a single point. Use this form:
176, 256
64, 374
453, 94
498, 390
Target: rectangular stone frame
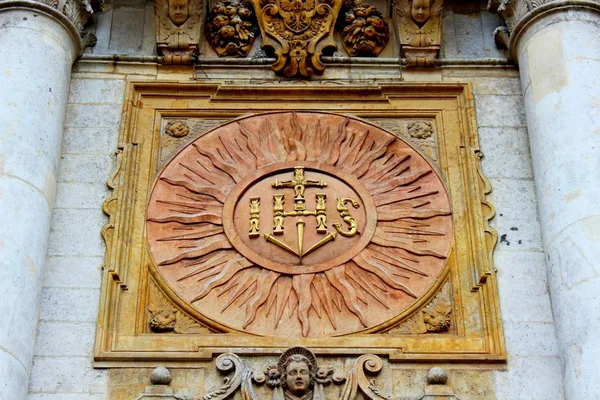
121, 339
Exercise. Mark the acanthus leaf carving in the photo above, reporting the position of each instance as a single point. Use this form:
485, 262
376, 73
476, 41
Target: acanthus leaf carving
298, 31
420, 27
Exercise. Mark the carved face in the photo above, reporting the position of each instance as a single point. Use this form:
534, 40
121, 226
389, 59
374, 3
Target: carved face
297, 377
420, 10
178, 11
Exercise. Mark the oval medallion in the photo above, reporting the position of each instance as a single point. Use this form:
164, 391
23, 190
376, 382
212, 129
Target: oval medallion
299, 224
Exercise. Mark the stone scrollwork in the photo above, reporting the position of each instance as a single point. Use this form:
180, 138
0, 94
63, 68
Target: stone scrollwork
365, 32
420, 26
298, 31
297, 376
178, 29
231, 28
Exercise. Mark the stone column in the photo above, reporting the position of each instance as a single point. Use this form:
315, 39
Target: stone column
557, 46
38, 45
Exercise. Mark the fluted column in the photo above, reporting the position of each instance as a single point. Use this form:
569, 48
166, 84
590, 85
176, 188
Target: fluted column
38, 45
557, 46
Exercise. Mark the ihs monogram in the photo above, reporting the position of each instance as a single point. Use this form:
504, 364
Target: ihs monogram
299, 184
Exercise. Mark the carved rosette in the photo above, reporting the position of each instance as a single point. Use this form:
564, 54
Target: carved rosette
178, 27
420, 27
299, 224
231, 28
298, 31
365, 31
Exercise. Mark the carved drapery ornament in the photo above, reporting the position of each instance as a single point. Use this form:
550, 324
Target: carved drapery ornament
231, 28
365, 31
178, 26
298, 31
420, 25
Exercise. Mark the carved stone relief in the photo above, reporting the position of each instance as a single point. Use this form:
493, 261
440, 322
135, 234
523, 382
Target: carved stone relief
420, 134
231, 28
178, 26
298, 31
178, 132
78, 12
164, 317
297, 376
515, 12
299, 224
365, 31
296, 227
435, 317
419, 24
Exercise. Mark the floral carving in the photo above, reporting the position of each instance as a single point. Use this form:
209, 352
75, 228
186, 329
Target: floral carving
177, 29
298, 31
420, 31
231, 29
365, 32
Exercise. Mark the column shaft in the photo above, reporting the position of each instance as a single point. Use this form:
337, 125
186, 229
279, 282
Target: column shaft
37, 47
559, 58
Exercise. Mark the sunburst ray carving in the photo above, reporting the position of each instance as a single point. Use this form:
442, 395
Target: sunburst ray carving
401, 260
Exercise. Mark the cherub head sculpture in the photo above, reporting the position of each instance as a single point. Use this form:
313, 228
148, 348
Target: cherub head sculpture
179, 11
420, 10
297, 377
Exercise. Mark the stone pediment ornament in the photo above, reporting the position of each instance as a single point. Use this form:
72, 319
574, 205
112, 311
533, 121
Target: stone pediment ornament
178, 27
420, 26
298, 31
299, 225
297, 376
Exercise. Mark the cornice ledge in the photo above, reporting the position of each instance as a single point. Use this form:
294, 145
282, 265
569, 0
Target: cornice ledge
72, 14
520, 14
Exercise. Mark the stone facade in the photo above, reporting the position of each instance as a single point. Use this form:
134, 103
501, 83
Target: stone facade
545, 209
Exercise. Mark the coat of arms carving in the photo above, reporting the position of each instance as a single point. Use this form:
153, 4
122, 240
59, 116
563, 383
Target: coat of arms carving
299, 224
298, 31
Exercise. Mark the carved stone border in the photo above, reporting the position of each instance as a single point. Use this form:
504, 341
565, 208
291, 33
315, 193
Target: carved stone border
122, 336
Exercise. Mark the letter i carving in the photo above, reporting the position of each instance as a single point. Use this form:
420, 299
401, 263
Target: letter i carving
278, 217
321, 211
254, 216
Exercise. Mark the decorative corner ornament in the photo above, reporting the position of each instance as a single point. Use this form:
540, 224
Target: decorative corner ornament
366, 33
178, 26
232, 28
420, 27
298, 31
